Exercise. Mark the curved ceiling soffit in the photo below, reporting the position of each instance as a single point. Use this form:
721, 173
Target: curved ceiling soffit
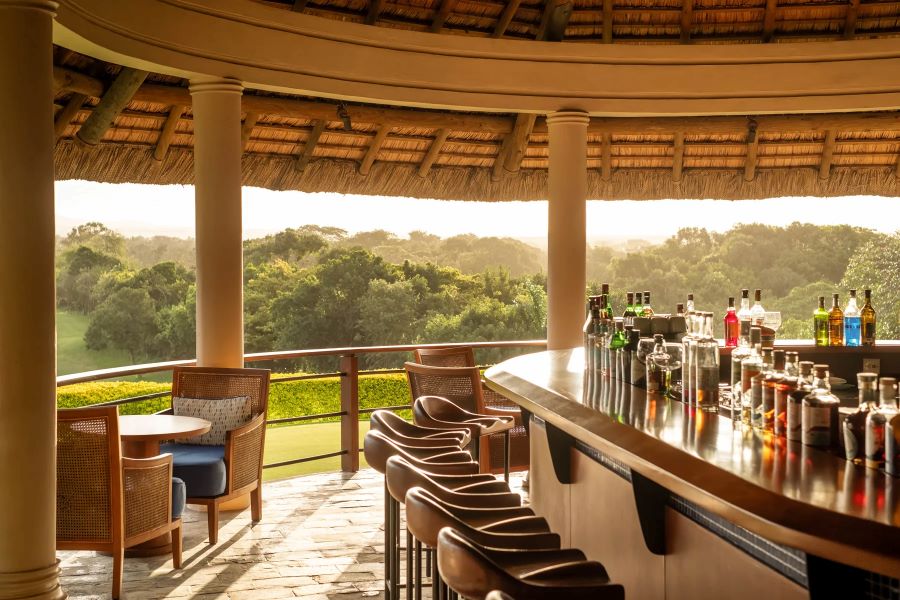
278, 50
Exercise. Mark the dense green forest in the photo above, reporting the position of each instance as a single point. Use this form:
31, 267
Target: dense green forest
318, 287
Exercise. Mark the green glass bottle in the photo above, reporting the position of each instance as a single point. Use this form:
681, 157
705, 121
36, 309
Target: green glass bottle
618, 339
820, 323
606, 307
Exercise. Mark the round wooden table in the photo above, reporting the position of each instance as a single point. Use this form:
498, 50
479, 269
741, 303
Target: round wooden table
141, 434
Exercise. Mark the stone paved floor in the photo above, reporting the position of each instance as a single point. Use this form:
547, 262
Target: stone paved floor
321, 537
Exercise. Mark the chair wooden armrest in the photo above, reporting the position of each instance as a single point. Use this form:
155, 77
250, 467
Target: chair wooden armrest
496, 411
244, 452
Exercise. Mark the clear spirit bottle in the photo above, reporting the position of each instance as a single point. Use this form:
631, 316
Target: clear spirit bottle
891, 431
867, 321
629, 313
750, 368
820, 324
771, 382
876, 424
743, 315
732, 326
787, 385
835, 323
757, 312
657, 365
707, 367
819, 413
852, 334
757, 385
795, 398
688, 352
854, 424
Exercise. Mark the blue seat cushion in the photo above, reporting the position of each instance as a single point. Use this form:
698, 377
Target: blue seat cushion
179, 497
202, 468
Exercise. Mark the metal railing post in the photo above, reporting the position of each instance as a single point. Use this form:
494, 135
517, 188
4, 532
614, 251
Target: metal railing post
350, 408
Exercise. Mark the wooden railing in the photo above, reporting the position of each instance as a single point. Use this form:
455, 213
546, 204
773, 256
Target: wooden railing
348, 371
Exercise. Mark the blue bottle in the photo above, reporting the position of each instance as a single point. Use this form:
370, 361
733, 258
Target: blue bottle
852, 330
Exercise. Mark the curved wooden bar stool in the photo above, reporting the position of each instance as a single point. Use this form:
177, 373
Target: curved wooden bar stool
498, 595
403, 431
438, 412
473, 571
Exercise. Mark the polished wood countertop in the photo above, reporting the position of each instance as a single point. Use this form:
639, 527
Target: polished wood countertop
791, 494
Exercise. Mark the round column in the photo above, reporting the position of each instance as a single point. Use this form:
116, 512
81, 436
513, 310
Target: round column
217, 193
28, 565
566, 228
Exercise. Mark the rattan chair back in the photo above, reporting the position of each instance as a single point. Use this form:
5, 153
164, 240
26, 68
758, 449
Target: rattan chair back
446, 357
217, 383
460, 385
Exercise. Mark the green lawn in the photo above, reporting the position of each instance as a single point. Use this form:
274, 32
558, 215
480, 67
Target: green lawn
72, 356
287, 443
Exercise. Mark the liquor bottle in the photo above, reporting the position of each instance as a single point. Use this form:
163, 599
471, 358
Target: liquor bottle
592, 316
835, 323
854, 424
819, 412
867, 321
616, 343
737, 356
852, 335
757, 312
604, 289
795, 401
689, 308
820, 323
876, 423
629, 313
606, 307
647, 310
638, 304
707, 367
679, 310
657, 365
688, 347
750, 368
630, 351
787, 385
771, 382
743, 315
891, 431
732, 326
756, 390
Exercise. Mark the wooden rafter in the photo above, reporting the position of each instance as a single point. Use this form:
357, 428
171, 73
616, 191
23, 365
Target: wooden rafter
372, 151
752, 150
606, 158
506, 17
687, 20
769, 20
607, 21
310, 146
512, 162
850, 20
299, 5
678, 157
247, 128
168, 131
375, 7
434, 151
555, 19
119, 94
827, 155
67, 113
897, 167
440, 17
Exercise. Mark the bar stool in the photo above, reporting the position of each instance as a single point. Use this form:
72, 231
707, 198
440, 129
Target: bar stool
405, 432
498, 595
473, 571
438, 412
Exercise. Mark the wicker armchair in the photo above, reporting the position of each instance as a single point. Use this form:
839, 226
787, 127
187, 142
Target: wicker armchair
494, 402
463, 387
243, 453
105, 502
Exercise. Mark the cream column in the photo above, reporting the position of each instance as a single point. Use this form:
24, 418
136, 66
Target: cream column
217, 193
28, 565
566, 228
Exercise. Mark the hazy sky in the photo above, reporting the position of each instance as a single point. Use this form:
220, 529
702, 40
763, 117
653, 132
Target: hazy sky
169, 210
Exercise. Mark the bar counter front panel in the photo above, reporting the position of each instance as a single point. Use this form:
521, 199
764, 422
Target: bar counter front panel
678, 503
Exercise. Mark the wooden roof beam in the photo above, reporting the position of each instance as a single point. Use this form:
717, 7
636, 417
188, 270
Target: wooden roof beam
687, 20
555, 19
434, 151
512, 162
119, 94
850, 21
168, 131
606, 158
247, 128
375, 7
310, 146
67, 113
607, 21
752, 150
506, 17
441, 15
827, 155
678, 157
369, 159
299, 5
769, 20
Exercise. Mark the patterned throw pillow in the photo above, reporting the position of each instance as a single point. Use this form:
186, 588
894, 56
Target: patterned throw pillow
225, 414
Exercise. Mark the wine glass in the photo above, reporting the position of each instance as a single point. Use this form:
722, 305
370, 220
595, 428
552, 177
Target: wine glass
772, 319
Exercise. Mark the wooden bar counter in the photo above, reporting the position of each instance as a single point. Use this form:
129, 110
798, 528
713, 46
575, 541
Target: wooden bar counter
681, 504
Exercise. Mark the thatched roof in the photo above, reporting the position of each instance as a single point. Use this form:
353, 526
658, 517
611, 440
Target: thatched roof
624, 21
435, 154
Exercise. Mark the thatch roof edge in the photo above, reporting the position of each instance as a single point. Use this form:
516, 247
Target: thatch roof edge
131, 164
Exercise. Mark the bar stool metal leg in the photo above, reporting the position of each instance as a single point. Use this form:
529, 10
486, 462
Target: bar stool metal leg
388, 542
409, 566
506, 456
418, 567
435, 581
